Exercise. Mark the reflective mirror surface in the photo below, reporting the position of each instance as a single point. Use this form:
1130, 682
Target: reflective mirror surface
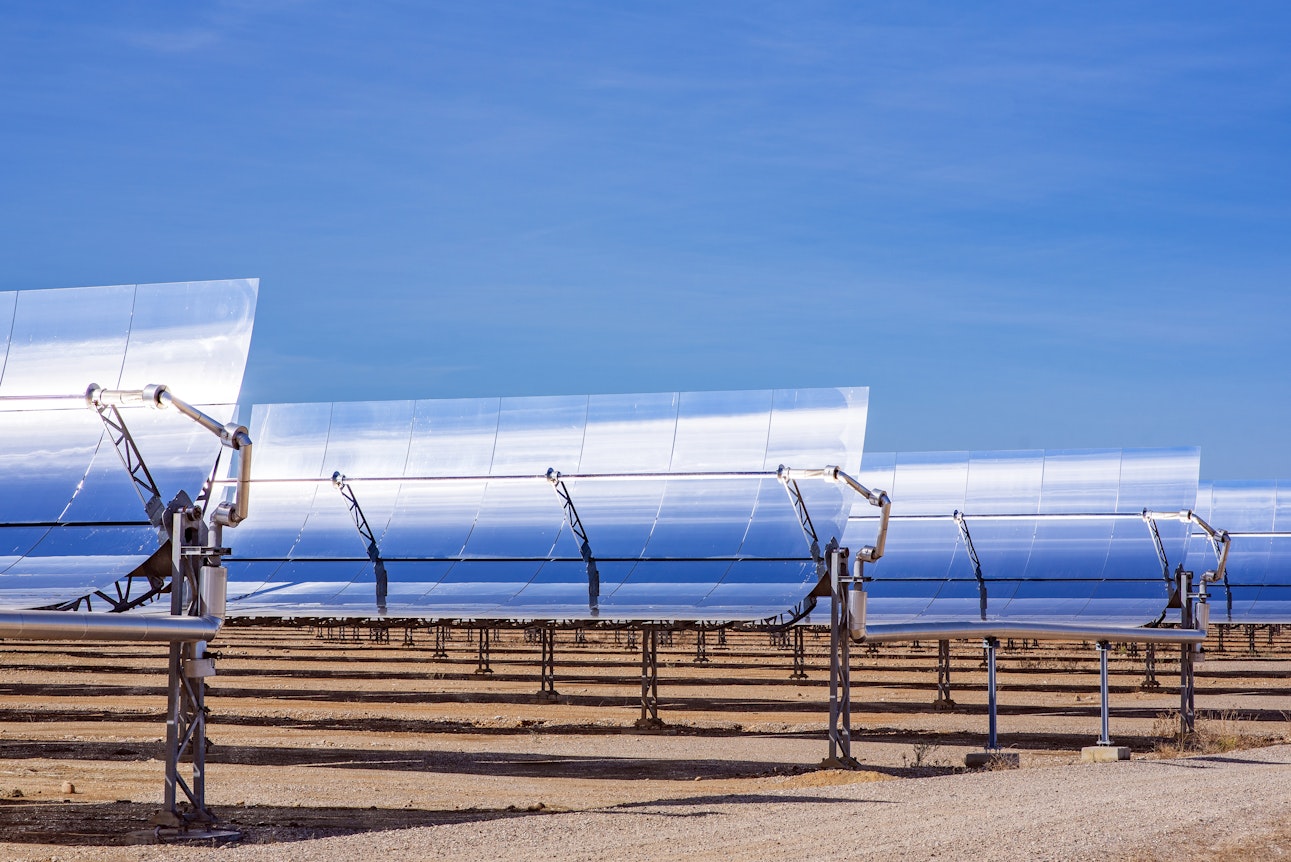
1058, 535
77, 524
1256, 588
469, 525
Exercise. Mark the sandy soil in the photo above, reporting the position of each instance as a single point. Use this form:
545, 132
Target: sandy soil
329, 749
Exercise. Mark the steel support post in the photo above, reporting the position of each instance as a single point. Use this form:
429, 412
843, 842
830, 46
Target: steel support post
1103, 693
649, 677
1220, 646
483, 639
184, 801
943, 700
547, 634
840, 670
1250, 639
441, 643
799, 655
701, 645
993, 739
1187, 695
1150, 682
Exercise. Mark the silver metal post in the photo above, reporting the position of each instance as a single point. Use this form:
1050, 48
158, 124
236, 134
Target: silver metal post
990, 644
1103, 648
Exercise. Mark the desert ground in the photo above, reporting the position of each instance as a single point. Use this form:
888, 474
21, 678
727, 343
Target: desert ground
334, 744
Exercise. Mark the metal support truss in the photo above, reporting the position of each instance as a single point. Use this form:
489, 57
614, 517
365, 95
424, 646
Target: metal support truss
967, 539
1150, 681
799, 655
483, 642
649, 677
840, 667
441, 642
369, 538
1104, 694
701, 645
151, 580
580, 534
547, 637
804, 518
140, 477
943, 700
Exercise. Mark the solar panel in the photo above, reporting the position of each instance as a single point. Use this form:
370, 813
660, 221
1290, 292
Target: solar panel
73, 522
476, 506
1256, 588
1055, 536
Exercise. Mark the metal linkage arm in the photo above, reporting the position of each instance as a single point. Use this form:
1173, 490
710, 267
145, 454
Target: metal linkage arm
1219, 539
584, 546
232, 435
878, 499
972, 556
361, 524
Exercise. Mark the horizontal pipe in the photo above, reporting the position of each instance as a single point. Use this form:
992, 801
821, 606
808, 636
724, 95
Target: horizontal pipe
74, 626
1048, 516
521, 478
971, 630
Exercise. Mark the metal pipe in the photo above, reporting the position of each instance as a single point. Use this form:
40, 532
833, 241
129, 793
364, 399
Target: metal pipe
878, 499
70, 625
1034, 516
967, 630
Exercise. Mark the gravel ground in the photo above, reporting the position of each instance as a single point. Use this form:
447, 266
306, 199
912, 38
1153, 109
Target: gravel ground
1104, 811
369, 751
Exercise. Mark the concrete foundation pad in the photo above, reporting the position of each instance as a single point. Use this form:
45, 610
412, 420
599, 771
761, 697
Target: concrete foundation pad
991, 760
1104, 753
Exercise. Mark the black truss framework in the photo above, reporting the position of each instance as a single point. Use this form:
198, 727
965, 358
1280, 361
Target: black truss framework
584, 546
370, 539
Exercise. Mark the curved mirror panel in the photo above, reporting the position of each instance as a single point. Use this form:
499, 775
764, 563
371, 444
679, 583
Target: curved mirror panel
468, 523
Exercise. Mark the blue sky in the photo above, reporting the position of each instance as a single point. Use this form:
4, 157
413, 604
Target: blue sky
1023, 225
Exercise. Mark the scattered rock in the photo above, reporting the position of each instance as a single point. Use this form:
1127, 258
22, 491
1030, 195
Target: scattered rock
68, 787
16, 793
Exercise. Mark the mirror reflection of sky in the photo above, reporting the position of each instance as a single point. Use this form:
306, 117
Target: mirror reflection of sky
1022, 227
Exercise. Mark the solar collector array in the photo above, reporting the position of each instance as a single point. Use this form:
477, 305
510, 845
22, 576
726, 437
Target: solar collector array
469, 527
1058, 534
1257, 584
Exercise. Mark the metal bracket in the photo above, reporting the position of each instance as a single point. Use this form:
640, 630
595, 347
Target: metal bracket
365, 532
140, 477
1149, 518
1220, 542
972, 556
804, 518
584, 546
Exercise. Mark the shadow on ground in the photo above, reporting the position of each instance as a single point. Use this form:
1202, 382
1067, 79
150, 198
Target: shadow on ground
122, 823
